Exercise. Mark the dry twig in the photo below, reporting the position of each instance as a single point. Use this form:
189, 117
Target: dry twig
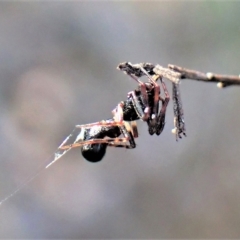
175, 73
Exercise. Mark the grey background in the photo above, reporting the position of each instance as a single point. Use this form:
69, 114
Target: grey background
58, 68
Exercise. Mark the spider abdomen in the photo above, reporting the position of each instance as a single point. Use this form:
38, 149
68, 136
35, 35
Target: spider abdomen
94, 152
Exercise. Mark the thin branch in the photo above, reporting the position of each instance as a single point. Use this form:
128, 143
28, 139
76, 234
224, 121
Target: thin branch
172, 75
175, 74
221, 80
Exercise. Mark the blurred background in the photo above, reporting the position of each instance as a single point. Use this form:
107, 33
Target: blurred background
58, 69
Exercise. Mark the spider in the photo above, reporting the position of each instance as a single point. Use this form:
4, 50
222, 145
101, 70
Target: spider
142, 103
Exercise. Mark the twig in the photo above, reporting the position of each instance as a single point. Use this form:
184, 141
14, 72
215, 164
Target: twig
221, 80
172, 75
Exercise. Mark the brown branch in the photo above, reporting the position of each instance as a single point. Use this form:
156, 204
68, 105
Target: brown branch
172, 75
222, 80
175, 74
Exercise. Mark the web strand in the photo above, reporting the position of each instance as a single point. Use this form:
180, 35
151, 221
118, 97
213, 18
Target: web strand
72, 138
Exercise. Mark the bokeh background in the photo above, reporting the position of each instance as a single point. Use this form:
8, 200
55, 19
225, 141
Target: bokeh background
58, 69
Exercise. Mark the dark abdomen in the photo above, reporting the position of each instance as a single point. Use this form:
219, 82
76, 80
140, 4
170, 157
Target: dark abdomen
94, 152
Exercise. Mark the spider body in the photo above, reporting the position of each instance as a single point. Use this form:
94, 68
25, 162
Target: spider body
95, 152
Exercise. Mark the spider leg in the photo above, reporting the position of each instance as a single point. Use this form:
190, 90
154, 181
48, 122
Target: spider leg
77, 136
153, 119
116, 142
161, 115
156, 90
118, 114
128, 137
152, 123
134, 69
105, 123
142, 114
179, 123
129, 131
143, 90
133, 126
128, 69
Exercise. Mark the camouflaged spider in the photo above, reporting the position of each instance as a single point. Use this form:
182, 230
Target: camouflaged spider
142, 103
